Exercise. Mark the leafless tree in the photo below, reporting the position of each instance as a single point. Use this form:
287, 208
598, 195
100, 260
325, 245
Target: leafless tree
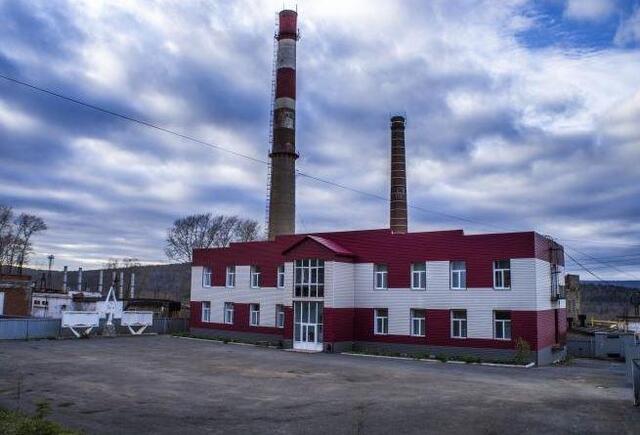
206, 231
15, 237
247, 230
112, 263
6, 234
27, 225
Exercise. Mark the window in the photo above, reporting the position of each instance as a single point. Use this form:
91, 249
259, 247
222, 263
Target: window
309, 278
381, 321
502, 274
281, 276
230, 280
206, 311
381, 276
419, 276
280, 316
418, 323
255, 276
228, 313
502, 325
206, 277
459, 323
458, 275
254, 319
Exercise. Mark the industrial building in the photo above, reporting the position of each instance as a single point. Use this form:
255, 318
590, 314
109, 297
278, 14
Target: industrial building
391, 290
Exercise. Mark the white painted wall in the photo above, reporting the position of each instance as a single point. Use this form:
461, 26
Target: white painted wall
267, 297
351, 285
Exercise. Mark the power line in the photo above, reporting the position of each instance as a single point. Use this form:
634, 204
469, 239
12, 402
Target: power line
227, 150
582, 266
258, 160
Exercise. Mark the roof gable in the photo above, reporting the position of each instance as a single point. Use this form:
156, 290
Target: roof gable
310, 244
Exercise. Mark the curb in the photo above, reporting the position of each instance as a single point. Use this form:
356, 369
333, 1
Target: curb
404, 358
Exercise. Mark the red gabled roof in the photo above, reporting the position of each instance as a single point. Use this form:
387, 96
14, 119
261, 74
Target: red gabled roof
334, 247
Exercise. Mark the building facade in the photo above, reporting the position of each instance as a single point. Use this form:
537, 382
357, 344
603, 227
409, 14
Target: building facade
428, 293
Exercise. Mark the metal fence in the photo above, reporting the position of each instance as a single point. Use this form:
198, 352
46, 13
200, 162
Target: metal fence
27, 328
32, 328
581, 348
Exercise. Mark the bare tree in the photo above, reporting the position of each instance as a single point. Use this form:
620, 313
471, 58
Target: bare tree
15, 237
205, 231
112, 263
247, 230
6, 234
27, 226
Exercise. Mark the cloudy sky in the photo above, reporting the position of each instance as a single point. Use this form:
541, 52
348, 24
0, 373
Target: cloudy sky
521, 115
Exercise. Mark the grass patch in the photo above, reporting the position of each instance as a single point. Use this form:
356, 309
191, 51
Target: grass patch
227, 340
18, 423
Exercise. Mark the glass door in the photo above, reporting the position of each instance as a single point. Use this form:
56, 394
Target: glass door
307, 332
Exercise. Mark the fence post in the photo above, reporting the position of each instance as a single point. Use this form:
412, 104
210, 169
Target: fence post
635, 373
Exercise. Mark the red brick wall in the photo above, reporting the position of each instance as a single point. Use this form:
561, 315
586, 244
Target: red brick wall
17, 301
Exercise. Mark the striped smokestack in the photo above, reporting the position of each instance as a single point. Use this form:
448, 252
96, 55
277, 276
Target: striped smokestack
398, 198
282, 194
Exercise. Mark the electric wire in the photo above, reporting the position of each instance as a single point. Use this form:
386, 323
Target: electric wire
265, 162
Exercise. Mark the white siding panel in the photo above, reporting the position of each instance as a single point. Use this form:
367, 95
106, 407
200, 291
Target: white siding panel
479, 302
543, 287
339, 284
267, 297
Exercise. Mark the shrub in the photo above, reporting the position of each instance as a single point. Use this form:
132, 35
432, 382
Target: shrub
523, 351
442, 358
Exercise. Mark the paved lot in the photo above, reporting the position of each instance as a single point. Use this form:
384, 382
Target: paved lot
171, 385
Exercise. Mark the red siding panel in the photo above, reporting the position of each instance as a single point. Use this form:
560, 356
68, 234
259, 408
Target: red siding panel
240, 321
338, 324
438, 331
397, 251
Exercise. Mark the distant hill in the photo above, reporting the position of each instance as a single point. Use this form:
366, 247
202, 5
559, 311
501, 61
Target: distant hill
628, 284
605, 301
167, 281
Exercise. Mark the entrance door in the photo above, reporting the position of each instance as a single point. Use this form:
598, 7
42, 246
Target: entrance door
307, 325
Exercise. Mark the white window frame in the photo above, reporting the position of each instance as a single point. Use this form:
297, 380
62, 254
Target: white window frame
228, 313
254, 315
255, 277
281, 276
420, 320
380, 320
308, 278
456, 273
206, 312
280, 316
418, 277
462, 322
502, 273
380, 277
230, 277
207, 276
503, 323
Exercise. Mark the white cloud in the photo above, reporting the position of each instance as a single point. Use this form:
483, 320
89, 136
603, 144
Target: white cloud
629, 30
592, 10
